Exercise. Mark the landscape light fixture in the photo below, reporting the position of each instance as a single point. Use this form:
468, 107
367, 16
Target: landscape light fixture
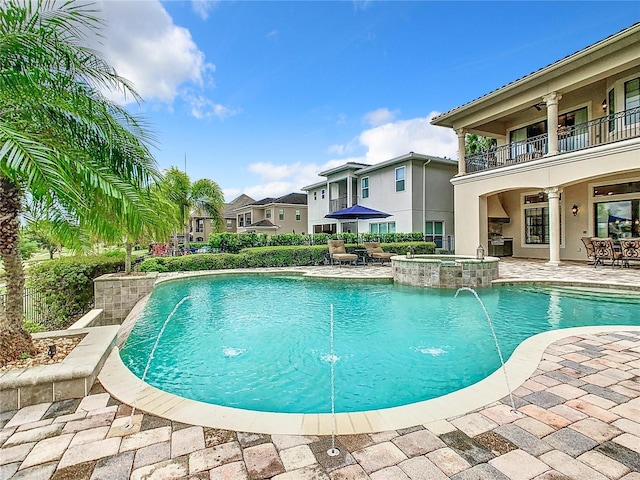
574, 210
52, 350
480, 253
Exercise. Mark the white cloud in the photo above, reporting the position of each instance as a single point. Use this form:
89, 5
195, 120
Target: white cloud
381, 143
415, 135
380, 116
143, 44
277, 180
203, 7
161, 59
202, 107
230, 193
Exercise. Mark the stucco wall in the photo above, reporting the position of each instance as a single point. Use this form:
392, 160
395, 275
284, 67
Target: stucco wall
571, 171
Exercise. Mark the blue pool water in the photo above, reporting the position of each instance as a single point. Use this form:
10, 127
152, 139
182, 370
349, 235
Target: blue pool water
262, 343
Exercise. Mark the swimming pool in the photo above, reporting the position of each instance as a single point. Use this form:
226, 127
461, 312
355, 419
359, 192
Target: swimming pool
262, 343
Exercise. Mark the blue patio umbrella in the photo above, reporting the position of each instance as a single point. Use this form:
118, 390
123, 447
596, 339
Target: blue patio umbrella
357, 212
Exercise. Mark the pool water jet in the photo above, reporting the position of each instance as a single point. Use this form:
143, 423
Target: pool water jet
495, 339
129, 424
333, 451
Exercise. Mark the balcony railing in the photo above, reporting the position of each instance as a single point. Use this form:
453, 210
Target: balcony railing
608, 129
339, 203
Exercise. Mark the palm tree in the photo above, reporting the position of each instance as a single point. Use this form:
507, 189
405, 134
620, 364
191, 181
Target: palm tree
61, 138
200, 197
477, 143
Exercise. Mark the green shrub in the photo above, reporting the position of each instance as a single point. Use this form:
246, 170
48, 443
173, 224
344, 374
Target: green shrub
260, 257
33, 327
66, 285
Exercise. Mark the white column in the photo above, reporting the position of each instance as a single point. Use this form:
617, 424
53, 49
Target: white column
552, 121
553, 195
462, 166
349, 191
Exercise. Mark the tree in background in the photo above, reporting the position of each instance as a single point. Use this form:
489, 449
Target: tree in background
42, 225
193, 199
62, 139
477, 143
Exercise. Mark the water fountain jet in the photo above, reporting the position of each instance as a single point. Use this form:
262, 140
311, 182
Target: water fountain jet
495, 339
129, 424
333, 451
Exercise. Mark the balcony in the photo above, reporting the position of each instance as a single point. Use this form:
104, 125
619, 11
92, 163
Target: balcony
600, 131
339, 203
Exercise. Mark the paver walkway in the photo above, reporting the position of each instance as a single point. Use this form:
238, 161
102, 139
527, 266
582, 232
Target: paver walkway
578, 418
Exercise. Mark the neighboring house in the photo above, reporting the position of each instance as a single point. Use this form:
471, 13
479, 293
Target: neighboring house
567, 161
229, 214
287, 214
414, 188
202, 226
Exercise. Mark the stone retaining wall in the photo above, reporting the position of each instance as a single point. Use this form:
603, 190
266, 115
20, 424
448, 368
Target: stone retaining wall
116, 294
444, 271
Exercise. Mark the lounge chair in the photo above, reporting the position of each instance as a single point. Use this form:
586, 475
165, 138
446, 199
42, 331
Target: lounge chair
603, 249
630, 250
588, 245
375, 252
337, 253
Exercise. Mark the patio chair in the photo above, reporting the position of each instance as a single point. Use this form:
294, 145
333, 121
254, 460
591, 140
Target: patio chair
375, 252
630, 250
337, 253
603, 249
588, 245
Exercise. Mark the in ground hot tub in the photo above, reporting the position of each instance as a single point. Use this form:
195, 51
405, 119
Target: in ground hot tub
444, 271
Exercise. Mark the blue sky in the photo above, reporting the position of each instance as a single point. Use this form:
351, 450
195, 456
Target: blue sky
260, 96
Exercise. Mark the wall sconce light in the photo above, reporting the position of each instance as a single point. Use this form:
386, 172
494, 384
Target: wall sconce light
574, 209
604, 105
480, 253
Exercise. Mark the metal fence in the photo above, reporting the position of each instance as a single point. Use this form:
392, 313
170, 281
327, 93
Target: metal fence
32, 301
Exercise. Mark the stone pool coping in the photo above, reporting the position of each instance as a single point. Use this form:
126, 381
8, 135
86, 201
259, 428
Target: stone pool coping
73, 377
122, 384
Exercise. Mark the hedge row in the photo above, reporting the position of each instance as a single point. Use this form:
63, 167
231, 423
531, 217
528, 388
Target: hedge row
65, 285
235, 242
266, 257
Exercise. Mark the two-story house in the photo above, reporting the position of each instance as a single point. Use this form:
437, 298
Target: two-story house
567, 160
286, 214
202, 225
414, 189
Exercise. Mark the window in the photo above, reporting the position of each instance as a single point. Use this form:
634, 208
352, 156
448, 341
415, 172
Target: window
385, 227
241, 220
632, 101
521, 142
617, 218
364, 187
281, 214
536, 219
199, 224
297, 215
400, 171
229, 224
267, 213
315, 196
322, 193
434, 232
247, 219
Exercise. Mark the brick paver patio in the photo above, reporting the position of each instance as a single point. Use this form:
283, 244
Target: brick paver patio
578, 418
